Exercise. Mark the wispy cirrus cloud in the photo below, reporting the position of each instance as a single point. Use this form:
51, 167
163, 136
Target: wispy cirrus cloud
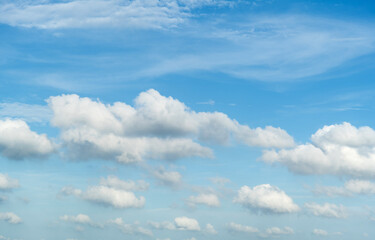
144, 14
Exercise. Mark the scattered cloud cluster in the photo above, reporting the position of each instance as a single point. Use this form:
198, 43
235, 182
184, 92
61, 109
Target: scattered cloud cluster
339, 149
266, 198
7, 183
113, 195
157, 127
130, 228
269, 232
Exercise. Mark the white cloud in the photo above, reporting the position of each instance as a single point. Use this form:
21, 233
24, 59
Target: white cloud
167, 178
266, 198
113, 195
340, 149
320, 232
219, 180
350, 188
326, 210
273, 47
235, 227
115, 182
185, 223
10, 217
95, 13
276, 231
80, 219
162, 225
130, 228
360, 187
157, 127
208, 199
142, 14
7, 183
26, 112
210, 229
18, 142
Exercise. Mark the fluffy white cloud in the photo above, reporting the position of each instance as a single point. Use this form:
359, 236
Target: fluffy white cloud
326, 210
266, 198
115, 182
235, 227
10, 217
113, 195
7, 183
156, 127
17, 141
185, 223
130, 228
340, 149
208, 199
320, 232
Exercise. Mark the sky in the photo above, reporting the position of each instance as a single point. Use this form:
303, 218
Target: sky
187, 119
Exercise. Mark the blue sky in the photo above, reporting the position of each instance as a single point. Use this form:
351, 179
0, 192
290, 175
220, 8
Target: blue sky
187, 119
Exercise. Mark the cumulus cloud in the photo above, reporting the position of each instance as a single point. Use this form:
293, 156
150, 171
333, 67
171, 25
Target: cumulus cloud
10, 217
320, 232
340, 149
208, 199
18, 142
235, 227
265, 198
185, 223
113, 195
157, 127
328, 210
7, 183
130, 228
